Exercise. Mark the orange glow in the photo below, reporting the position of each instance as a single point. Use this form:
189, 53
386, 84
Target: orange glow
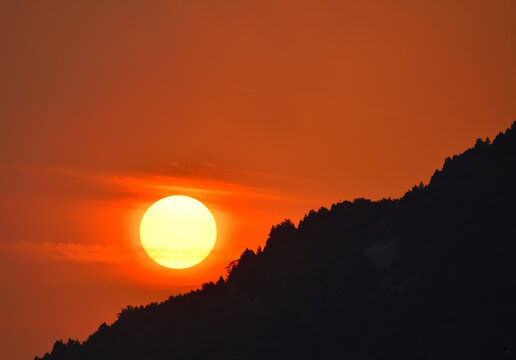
261, 110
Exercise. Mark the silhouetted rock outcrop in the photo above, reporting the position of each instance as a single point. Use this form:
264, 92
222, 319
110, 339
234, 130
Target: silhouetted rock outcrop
429, 276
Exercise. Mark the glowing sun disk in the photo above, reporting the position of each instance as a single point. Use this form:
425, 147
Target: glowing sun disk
178, 231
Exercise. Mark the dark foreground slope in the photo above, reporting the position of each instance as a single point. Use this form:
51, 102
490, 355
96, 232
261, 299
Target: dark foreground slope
428, 276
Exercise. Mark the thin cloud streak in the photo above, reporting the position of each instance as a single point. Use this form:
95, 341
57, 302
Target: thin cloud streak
205, 180
90, 253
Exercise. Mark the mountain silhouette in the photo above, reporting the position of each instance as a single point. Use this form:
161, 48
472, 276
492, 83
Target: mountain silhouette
429, 276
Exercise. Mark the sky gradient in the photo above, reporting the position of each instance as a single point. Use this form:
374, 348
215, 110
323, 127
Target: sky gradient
262, 110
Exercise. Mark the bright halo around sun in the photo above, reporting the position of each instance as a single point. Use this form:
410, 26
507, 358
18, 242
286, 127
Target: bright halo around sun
178, 232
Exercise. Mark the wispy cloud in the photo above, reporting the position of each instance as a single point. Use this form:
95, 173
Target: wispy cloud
206, 179
93, 253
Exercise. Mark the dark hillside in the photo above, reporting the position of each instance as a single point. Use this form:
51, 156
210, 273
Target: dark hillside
429, 276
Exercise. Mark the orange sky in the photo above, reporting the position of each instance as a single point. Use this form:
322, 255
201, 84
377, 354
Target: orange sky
260, 109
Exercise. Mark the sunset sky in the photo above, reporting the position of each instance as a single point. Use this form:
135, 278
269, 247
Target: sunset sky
262, 110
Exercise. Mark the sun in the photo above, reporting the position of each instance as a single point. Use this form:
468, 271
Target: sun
178, 231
